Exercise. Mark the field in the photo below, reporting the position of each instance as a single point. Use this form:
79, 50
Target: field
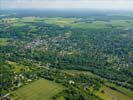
119, 93
121, 89
17, 68
60, 21
39, 90
90, 24
110, 94
3, 41
72, 22
76, 72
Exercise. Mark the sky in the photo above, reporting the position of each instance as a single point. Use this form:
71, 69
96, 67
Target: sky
96, 4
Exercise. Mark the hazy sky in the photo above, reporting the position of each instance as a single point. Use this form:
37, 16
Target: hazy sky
100, 4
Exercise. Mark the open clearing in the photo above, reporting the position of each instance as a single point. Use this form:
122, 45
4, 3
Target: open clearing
41, 89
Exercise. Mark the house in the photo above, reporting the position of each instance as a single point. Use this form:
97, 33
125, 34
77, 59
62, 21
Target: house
85, 86
71, 82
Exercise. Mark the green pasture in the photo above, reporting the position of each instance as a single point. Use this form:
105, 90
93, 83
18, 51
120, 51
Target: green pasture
17, 68
41, 89
3, 41
86, 25
107, 93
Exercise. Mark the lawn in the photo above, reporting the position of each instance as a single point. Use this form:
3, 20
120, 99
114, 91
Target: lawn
41, 89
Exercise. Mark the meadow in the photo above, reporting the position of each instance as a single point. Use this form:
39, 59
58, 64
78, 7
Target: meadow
105, 92
38, 90
72, 22
17, 68
95, 24
3, 41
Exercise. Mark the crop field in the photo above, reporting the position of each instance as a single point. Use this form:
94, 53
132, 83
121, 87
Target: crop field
39, 90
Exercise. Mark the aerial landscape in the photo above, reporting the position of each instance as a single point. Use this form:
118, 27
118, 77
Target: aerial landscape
66, 52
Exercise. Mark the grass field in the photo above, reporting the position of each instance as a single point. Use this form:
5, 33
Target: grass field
76, 72
3, 41
121, 89
17, 68
29, 19
18, 24
41, 89
95, 24
60, 21
109, 94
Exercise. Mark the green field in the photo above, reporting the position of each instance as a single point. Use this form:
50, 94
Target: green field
121, 89
76, 72
39, 90
95, 24
60, 21
18, 68
84, 25
109, 94
3, 41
